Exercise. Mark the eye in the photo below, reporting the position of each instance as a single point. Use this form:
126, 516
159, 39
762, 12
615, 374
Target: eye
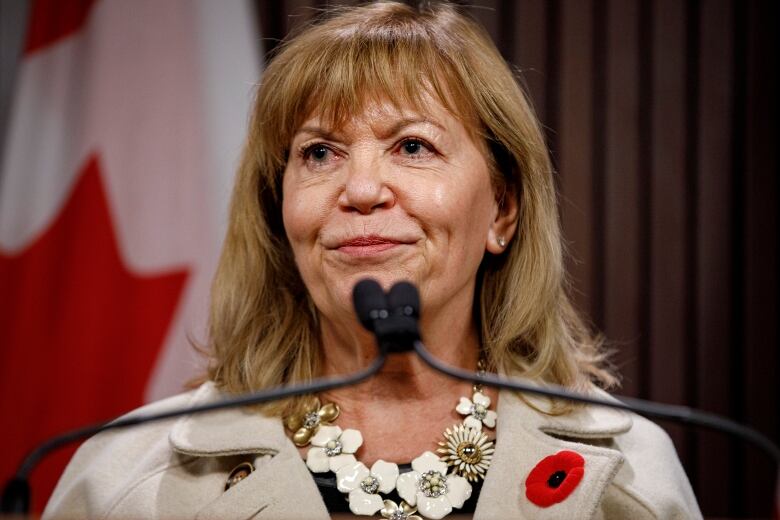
316, 152
414, 147
319, 155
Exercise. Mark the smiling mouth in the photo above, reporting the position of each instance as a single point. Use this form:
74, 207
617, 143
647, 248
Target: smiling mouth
368, 245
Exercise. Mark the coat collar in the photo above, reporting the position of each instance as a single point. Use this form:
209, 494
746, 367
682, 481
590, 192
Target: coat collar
232, 431
585, 422
524, 437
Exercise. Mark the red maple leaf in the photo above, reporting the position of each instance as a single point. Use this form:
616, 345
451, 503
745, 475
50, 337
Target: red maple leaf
54, 20
79, 333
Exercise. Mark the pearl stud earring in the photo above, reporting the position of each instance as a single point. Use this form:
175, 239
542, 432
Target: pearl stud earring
501, 242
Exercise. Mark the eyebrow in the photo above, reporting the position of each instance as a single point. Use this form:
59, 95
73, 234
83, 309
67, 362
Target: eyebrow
393, 130
319, 132
408, 121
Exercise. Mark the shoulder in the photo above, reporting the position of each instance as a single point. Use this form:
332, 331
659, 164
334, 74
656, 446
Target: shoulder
112, 461
651, 477
651, 481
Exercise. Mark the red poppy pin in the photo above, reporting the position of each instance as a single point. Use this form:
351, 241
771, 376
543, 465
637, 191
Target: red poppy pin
554, 478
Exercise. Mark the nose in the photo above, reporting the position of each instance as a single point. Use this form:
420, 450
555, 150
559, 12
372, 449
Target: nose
365, 189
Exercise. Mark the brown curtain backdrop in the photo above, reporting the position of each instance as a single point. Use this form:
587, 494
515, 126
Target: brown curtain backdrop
662, 119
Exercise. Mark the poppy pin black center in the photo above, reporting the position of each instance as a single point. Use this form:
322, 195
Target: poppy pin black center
556, 479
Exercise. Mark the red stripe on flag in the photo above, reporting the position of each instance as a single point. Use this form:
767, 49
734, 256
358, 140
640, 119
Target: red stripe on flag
53, 20
79, 332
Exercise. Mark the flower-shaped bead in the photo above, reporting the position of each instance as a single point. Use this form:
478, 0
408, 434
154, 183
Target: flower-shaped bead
477, 411
364, 486
467, 450
331, 449
430, 489
393, 511
309, 422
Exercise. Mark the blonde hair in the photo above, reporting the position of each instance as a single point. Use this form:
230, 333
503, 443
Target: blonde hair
263, 325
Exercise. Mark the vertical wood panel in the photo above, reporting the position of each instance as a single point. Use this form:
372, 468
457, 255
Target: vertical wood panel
300, 12
714, 242
271, 20
760, 276
690, 267
622, 322
598, 160
645, 150
530, 50
552, 109
736, 455
668, 210
575, 131
486, 13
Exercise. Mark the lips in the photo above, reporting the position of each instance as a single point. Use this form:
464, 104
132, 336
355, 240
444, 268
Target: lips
368, 241
368, 245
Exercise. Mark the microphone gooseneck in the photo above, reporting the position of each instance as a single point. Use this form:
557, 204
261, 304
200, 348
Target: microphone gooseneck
393, 319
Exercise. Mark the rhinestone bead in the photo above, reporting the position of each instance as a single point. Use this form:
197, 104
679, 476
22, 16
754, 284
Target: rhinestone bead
432, 484
311, 420
478, 411
333, 448
369, 485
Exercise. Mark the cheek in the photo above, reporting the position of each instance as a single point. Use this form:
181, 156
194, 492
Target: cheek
464, 210
300, 213
294, 219
302, 221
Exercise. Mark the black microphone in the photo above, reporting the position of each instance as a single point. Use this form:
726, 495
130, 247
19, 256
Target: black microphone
392, 318
404, 299
370, 302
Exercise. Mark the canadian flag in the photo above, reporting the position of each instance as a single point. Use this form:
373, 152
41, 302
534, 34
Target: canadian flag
125, 130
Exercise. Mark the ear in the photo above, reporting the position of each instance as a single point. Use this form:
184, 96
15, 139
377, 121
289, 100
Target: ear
502, 229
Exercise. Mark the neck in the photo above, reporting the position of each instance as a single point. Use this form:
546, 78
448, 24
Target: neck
404, 376
402, 410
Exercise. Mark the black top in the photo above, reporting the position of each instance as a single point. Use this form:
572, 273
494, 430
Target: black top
337, 502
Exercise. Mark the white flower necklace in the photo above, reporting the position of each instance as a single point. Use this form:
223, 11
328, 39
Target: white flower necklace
436, 484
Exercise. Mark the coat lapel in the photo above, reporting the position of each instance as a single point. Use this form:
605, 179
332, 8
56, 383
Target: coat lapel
279, 487
525, 436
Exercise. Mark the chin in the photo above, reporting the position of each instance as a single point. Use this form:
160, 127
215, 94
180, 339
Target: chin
385, 278
340, 291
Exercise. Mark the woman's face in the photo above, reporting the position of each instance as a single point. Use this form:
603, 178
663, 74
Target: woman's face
394, 195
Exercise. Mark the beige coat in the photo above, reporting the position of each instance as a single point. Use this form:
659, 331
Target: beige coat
178, 468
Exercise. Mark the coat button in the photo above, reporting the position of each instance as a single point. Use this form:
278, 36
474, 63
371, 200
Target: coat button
238, 474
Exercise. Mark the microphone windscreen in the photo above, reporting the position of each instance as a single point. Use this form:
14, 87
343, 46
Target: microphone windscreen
404, 296
369, 300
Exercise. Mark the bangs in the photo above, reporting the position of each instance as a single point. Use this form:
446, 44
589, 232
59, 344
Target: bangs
335, 72
369, 69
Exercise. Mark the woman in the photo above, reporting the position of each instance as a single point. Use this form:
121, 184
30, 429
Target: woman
391, 143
